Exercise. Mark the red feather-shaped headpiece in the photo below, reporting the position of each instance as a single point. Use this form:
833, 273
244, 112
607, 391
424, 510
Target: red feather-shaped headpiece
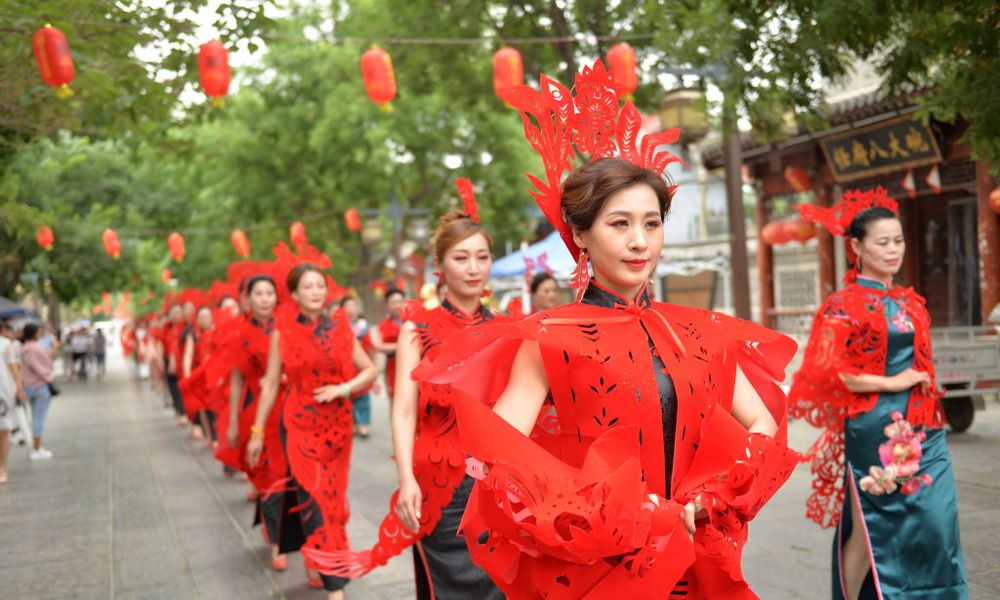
837, 218
595, 122
468, 196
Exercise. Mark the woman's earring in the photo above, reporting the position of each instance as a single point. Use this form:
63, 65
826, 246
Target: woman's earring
581, 275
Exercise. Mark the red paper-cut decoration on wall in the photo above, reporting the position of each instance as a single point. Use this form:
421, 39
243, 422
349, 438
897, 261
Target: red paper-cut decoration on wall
774, 233
55, 63
380, 79
240, 243
508, 71
297, 233
213, 71
45, 237
111, 244
353, 219
621, 63
798, 178
175, 242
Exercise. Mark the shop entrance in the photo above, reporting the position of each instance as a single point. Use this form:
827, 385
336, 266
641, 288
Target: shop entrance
948, 260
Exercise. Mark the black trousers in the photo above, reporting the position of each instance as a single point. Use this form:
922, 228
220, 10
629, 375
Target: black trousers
174, 386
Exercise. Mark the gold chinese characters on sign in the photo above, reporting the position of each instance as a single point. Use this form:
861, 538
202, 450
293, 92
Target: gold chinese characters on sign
898, 144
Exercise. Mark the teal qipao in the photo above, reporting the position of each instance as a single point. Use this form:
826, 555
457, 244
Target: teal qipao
912, 539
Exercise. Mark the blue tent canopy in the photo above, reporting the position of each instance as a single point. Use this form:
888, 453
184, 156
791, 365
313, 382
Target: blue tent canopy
558, 258
9, 310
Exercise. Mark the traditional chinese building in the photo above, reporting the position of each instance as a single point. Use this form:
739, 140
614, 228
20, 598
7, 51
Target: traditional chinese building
953, 237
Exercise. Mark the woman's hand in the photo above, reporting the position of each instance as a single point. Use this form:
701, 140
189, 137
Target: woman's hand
254, 448
408, 503
328, 393
907, 379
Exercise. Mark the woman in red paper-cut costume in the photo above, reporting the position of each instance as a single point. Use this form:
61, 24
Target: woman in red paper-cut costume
868, 367
631, 441
323, 364
433, 488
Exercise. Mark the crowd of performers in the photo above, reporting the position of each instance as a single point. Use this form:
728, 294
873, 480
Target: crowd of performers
610, 446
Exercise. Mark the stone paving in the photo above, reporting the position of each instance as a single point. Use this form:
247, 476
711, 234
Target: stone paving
131, 508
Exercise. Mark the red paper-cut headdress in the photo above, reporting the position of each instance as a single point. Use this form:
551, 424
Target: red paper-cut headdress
594, 122
285, 260
837, 218
468, 198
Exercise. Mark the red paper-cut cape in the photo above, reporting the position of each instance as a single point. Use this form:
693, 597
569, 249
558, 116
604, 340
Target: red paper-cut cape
565, 514
850, 335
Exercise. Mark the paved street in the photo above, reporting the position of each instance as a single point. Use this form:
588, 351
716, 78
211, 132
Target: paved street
131, 508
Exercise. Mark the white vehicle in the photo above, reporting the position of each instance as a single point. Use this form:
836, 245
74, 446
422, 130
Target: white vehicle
967, 365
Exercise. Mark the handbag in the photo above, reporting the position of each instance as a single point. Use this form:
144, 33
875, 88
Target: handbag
53, 389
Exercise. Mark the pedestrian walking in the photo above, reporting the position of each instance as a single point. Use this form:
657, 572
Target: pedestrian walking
361, 399
882, 470
80, 346
11, 394
38, 373
98, 347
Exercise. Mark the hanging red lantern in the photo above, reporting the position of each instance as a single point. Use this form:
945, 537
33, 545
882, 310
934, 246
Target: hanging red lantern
175, 243
799, 230
55, 62
166, 276
380, 79
994, 199
774, 233
353, 220
213, 71
106, 302
379, 288
240, 243
297, 233
45, 237
798, 179
508, 71
623, 67
111, 244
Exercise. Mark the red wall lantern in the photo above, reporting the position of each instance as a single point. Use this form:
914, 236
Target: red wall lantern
994, 199
353, 220
297, 233
508, 71
45, 237
380, 79
799, 230
621, 63
240, 243
166, 276
111, 244
213, 71
774, 233
798, 179
55, 63
175, 243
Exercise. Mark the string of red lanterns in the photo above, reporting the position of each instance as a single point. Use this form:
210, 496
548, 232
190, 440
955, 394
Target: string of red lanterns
508, 71
379, 77
623, 67
240, 243
45, 237
111, 244
175, 243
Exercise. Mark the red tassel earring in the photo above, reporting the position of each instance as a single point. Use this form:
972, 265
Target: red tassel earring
581, 275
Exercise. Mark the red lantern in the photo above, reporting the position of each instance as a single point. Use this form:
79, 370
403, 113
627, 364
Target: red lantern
799, 230
55, 63
621, 63
297, 233
166, 276
508, 71
45, 237
213, 71
353, 219
774, 233
111, 244
106, 302
994, 199
798, 179
380, 79
175, 242
240, 243
379, 288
